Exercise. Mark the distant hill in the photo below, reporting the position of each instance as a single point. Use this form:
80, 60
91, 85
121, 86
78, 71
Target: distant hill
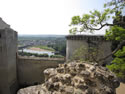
35, 37
41, 35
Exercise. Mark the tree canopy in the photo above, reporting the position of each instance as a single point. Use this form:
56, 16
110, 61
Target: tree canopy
113, 16
96, 20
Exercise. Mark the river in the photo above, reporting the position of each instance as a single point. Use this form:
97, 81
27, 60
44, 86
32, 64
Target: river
38, 52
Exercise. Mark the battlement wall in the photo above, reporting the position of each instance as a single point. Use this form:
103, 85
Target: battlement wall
30, 70
86, 37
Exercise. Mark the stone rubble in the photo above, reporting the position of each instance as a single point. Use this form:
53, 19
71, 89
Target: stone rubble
76, 78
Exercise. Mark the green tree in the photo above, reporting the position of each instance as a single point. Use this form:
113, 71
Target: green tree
118, 64
96, 20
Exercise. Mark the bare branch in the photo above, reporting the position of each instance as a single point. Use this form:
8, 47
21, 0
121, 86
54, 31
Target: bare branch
104, 25
100, 27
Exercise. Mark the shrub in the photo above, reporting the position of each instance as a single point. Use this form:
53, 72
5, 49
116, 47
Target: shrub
56, 56
33, 54
43, 55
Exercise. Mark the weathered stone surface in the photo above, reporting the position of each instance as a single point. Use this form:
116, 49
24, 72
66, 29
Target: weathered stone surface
76, 78
32, 90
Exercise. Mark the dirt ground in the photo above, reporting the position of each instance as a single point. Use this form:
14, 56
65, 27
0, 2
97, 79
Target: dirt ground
121, 89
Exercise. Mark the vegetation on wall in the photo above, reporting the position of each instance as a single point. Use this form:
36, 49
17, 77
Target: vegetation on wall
90, 54
79, 54
96, 20
33, 54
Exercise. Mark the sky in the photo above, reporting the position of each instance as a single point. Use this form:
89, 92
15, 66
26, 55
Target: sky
45, 16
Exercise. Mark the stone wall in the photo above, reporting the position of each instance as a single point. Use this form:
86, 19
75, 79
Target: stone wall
3, 25
30, 70
8, 73
74, 42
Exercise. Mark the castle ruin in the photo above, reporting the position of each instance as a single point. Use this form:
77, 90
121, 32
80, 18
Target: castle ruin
16, 72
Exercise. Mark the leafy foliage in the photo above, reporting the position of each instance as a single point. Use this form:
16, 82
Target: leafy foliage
115, 33
118, 64
59, 47
96, 20
56, 56
39, 55
33, 54
90, 54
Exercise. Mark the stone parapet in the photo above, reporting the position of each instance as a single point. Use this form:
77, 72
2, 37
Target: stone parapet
30, 69
86, 37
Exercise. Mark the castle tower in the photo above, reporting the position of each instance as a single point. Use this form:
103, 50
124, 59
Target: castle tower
8, 48
89, 43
